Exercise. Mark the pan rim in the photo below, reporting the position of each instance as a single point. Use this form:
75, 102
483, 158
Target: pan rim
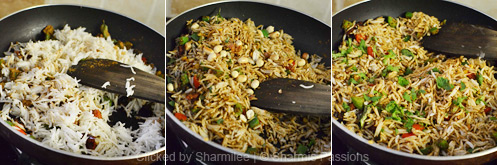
236, 1
67, 153
405, 154
229, 150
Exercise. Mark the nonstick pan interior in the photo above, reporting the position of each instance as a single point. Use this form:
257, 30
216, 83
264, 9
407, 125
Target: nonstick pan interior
451, 11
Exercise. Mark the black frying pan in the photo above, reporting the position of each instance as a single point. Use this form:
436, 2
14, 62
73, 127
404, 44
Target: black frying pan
442, 10
310, 35
28, 24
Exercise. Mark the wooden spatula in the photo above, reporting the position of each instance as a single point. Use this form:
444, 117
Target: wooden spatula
294, 96
96, 72
464, 39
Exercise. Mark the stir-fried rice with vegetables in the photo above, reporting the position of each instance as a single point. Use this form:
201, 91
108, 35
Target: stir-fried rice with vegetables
41, 101
389, 90
211, 77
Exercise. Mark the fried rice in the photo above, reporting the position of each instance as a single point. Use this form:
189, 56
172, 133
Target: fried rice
212, 74
389, 90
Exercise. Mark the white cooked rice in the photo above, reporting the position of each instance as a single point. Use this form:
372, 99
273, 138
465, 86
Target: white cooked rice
61, 112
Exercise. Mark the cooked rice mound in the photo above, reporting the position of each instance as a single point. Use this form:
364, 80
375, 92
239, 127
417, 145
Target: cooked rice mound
211, 82
414, 101
51, 107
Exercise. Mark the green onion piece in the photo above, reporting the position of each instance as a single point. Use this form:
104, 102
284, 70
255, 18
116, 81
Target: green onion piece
108, 99
219, 121
406, 52
336, 55
302, 149
403, 81
10, 123
171, 103
434, 30
409, 15
238, 109
463, 86
195, 110
195, 37
219, 73
443, 144
408, 71
479, 78
443, 22
311, 143
265, 33
392, 21
493, 118
251, 150
407, 38
346, 106
409, 124
184, 39
205, 18
254, 122
470, 150
358, 102
444, 83
354, 68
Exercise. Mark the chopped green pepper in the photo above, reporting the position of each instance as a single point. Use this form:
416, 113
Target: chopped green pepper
443, 144
407, 38
427, 150
183, 40
346, 24
104, 29
265, 33
302, 149
392, 21
48, 30
409, 15
106, 98
358, 102
254, 122
184, 79
364, 116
